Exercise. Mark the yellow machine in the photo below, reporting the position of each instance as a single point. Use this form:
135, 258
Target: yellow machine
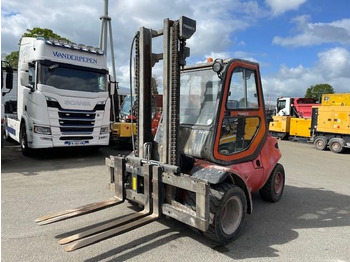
333, 119
336, 100
331, 123
327, 125
121, 131
293, 118
300, 127
280, 126
288, 126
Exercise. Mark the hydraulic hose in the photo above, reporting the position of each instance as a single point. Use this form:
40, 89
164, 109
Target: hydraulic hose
131, 99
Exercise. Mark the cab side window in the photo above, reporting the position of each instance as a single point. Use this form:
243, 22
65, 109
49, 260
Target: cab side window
243, 90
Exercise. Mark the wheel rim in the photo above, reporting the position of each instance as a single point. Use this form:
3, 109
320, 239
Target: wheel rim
232, 215
320, 143
335, 146
278, 185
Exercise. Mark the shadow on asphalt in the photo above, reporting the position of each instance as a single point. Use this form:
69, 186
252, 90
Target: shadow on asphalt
270, 225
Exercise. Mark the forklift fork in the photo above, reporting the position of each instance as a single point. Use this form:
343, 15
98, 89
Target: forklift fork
151, 174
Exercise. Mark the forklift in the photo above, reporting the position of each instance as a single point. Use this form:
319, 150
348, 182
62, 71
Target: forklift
212, 149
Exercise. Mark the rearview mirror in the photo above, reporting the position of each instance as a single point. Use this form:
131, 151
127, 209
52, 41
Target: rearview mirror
9, 78
26, 80
112, 85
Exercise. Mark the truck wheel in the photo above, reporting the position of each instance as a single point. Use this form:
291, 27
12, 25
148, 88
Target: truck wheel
336, 145
320, 143
24, 141
228, 209
273, 189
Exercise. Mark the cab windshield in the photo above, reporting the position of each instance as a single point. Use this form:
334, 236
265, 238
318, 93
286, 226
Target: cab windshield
126, 107
73, 78
198, 97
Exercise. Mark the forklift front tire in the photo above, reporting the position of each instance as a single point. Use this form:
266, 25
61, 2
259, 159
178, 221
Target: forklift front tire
228, 209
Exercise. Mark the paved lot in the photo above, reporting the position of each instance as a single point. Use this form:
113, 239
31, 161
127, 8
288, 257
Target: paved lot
310, 223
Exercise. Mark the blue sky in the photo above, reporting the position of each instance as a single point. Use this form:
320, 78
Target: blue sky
298, 43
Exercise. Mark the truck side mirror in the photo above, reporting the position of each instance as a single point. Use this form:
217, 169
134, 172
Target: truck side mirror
27, 80
9, 78
112, 85
24, 78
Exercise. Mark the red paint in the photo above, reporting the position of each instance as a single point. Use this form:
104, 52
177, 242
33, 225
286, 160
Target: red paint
254, 176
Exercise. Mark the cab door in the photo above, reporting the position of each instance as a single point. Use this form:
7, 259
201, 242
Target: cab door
242, 129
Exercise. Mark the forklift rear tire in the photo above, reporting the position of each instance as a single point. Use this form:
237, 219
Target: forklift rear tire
336, 145
273, 189
320, 143
228, 209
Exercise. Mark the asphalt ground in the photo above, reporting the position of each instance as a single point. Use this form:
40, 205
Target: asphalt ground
310, 223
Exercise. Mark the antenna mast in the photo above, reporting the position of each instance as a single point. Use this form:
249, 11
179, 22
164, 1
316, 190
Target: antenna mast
106, 27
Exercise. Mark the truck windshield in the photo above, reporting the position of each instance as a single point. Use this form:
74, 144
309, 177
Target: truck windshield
198, 96
281, 104
73, 78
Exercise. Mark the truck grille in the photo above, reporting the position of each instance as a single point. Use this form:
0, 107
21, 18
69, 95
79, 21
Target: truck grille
76, 122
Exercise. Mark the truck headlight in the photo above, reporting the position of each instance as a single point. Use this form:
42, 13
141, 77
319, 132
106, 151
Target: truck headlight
100, 105
42, 130
104, 130
52, 102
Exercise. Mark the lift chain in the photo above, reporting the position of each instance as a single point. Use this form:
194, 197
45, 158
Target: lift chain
175, 94
137, 91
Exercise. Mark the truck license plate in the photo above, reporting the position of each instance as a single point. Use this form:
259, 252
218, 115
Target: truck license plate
76, 143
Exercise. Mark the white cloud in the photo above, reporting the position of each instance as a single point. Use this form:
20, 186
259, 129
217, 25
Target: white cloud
216, 23
279, 7
332, 67
316, 33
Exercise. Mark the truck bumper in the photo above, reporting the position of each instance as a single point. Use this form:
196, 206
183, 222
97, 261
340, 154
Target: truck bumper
45, 141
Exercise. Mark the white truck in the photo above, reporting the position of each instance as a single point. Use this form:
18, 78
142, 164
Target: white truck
62, 97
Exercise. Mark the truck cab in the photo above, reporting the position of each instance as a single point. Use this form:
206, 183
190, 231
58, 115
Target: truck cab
63, 96
283, 107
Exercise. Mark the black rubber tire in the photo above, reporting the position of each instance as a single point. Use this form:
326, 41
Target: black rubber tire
24, 141
336, 145
223, 228
273, 189
320, 143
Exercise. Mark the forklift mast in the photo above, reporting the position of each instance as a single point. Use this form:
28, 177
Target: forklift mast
175, 34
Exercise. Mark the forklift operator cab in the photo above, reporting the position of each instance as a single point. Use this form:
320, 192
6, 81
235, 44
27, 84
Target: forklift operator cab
222, 113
